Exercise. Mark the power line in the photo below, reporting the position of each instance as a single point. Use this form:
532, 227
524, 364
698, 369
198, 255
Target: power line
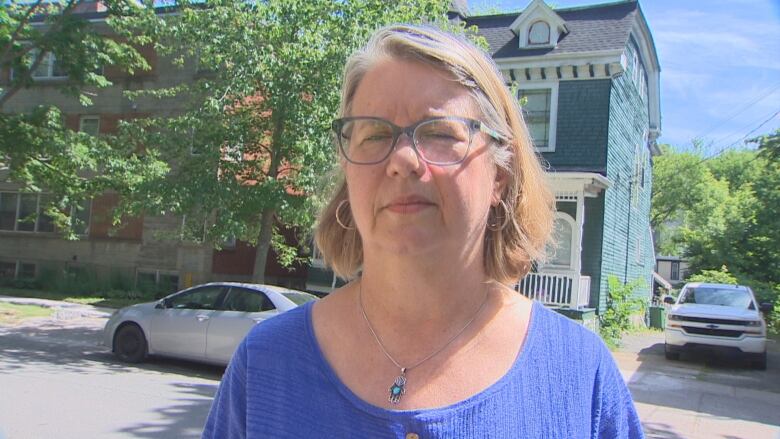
742, 139
761, 96
731, 134
721, 151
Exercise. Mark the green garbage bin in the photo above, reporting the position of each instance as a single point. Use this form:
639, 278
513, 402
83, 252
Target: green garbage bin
657, 317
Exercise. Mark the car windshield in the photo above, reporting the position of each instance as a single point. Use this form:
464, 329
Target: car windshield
717, 296
300, 298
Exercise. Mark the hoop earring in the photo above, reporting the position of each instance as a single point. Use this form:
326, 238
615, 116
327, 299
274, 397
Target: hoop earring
338, 220
494, 227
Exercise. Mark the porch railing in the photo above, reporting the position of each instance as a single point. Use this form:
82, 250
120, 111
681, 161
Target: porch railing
556, 289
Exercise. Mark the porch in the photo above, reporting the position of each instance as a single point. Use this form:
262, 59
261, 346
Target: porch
559, 282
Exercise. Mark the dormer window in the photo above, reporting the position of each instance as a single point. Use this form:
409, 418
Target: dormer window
538, 26
539, 34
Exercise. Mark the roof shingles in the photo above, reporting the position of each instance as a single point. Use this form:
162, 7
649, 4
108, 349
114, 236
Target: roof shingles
591, 28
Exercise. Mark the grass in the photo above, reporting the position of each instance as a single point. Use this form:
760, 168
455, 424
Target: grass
93, 300
12, 314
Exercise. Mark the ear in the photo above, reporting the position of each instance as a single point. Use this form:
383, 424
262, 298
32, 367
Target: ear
499, 186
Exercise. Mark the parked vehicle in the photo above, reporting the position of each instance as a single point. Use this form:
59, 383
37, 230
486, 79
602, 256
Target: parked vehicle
203, 323
717, 317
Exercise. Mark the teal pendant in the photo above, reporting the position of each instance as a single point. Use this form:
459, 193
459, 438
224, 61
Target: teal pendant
398, 388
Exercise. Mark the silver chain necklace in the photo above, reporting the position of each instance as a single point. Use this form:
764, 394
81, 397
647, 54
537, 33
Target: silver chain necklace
399, 385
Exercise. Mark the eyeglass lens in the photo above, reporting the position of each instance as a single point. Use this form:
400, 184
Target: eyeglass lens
439, 141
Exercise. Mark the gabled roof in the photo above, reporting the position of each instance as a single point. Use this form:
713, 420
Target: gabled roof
590, 28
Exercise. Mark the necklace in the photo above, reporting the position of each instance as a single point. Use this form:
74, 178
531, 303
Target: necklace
398, 388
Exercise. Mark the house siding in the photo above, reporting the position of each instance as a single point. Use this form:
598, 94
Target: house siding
582, 123
626, 226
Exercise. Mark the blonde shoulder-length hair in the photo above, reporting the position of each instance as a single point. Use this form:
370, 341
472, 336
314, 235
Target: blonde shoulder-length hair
508, 251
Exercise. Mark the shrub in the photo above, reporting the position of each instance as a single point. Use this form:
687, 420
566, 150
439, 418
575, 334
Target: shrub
721, 276
622, 303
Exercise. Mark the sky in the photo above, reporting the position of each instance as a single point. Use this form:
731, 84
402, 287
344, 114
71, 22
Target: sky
720, 66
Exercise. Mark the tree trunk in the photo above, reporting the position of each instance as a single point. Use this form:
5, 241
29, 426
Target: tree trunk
267, 218
263, 245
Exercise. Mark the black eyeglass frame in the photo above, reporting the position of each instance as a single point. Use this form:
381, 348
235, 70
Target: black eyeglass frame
473, 125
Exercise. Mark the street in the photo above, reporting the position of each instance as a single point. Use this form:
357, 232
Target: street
58, 383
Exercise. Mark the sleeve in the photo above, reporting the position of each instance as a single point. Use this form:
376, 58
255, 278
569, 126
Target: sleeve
613, 411
227, 417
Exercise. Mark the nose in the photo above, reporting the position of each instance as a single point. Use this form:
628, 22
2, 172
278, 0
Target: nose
404, 159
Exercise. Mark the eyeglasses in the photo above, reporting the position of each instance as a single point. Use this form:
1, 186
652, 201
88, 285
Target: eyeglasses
438, 140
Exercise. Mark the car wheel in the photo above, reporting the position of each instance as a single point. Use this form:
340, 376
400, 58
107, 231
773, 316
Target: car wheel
130, 344
674, 356
759, 362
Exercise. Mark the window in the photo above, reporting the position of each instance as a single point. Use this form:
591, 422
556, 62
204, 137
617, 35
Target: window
8, 206
7, 270
26, 271
157, 280
539, 114
539, 33
25, 212
45, 222
200, 298
675, 271
90, 125
241, 299
49, 68
28, 213
561, 255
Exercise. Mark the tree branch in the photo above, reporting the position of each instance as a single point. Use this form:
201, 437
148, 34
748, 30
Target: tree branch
15, 34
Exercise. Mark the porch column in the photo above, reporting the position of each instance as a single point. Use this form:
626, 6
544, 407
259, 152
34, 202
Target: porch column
580, 220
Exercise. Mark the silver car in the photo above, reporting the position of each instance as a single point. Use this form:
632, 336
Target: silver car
203, 323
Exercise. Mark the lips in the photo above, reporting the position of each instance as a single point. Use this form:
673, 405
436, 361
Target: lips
409, 204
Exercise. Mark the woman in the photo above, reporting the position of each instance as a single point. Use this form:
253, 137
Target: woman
442, 207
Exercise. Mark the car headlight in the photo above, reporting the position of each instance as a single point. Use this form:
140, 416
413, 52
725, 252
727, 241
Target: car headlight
674, 317
753, 323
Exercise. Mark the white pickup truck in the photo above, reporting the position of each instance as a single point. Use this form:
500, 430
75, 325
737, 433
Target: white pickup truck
717, 317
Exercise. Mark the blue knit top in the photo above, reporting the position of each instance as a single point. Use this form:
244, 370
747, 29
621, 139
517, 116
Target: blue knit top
563, 384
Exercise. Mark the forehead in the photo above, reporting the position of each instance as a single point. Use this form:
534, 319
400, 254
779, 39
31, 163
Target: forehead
406, 91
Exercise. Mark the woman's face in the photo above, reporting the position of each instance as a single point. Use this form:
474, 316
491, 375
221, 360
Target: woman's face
404, 205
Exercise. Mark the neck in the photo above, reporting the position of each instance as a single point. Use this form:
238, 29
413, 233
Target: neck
424, 296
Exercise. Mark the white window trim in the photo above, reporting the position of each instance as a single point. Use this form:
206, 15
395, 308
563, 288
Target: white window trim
553, 86
83, 118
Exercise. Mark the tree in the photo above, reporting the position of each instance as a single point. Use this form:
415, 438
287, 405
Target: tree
36, 149
769, 145
734, 221
251, 150
32, 32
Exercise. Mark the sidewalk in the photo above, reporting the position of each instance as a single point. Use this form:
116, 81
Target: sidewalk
698, 397
62, 310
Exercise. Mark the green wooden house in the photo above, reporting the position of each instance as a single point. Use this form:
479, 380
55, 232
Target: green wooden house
589, 77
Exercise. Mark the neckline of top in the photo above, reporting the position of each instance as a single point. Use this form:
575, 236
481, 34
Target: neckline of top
527, 346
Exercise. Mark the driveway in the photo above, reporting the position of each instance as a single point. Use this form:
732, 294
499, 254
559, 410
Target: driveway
58, 383
701, 396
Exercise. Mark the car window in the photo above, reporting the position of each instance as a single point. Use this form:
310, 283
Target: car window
300, 298
717, 296
200, 298
241, 299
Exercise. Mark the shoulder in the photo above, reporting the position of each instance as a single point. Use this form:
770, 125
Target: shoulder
565, 339
284, 332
